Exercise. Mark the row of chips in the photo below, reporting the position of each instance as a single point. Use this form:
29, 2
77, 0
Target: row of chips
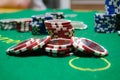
57, 47
36, 23
22, 24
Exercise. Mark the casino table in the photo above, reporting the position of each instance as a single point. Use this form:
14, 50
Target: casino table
59, 68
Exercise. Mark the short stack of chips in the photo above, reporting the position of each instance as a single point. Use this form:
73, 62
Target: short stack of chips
59, 47
8, 24
56, 15
59, 28
23, 24
38, 26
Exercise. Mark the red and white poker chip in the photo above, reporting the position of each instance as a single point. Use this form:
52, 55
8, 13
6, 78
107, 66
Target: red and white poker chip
57, 22
21, 47
59, 43
42, 42
87, 45
60, 55
59, 26
57, 50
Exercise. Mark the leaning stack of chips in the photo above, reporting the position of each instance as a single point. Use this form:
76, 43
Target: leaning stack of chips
105, 22
59, 28
38, 25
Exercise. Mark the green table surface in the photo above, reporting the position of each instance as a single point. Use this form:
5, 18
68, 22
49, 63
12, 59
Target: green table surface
54, 68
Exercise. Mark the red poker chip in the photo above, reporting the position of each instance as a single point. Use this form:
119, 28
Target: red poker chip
42, 42
59, 43
21, 47
57, 22
60, 55
57, 50
87, 45
59, 26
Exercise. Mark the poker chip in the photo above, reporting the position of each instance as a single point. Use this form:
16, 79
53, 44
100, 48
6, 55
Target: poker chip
87, 45
42, 42
60, 55
79, 25
57, 22
56, 15
59, 27
118, 33
57, 50
59, 43
21, 47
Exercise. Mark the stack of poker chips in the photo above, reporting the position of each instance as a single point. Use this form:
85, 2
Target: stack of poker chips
8, 24
112, 6
56, 15
59, 28
38, 25
23, 24
59, 47
105, 22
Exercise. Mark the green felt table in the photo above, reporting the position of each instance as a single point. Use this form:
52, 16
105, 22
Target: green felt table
65, 68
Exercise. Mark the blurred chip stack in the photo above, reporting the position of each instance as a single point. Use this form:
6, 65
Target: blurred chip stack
8, 24
23, 24
112, 6
38, 25
106, 22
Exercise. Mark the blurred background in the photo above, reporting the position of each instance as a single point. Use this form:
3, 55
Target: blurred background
54, 4
76, 4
